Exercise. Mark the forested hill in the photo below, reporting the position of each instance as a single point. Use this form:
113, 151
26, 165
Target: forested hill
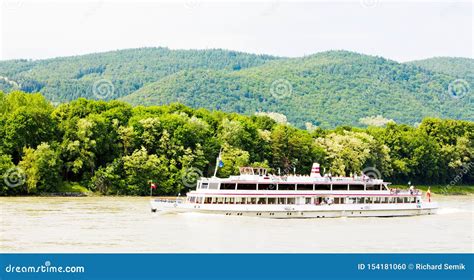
67, 78
326, 89
459, 67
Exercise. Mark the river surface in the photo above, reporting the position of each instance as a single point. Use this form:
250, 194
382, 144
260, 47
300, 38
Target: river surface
125, 224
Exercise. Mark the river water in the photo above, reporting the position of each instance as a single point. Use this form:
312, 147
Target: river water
125, 224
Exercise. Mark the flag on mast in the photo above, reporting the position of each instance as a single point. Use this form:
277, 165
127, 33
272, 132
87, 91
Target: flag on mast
219, 163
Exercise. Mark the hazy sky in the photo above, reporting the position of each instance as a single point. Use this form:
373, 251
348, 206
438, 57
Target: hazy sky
400, 30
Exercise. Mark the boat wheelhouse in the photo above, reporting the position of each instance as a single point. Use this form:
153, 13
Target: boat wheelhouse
256, 193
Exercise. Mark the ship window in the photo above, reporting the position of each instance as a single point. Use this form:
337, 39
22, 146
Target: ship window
304, 187
374, 187
339, 187
262, 200
322, 187
229, 200
253, 200
399, 199
213, 186
264, 187
227, 186
271, 200
192, 199
219, 200
204, 185
286, 187
240, 200
281, 200
356, 187
307, 200
246, 186
291, 200
208, 200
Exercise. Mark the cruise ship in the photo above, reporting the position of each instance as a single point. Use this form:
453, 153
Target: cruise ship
255, 193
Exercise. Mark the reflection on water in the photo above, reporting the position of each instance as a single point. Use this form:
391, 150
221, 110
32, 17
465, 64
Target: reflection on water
125, 224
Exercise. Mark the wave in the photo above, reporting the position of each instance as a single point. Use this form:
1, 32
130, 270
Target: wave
451, 210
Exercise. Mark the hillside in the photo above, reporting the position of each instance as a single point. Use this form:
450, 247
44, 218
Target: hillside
459, 67
327, 89
67, 78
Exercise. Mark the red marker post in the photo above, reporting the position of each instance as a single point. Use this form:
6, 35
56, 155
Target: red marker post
152, 186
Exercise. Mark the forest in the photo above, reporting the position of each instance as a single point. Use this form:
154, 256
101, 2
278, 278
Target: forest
326, 89
112, 148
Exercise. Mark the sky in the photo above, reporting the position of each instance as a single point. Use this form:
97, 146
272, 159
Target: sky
399, 30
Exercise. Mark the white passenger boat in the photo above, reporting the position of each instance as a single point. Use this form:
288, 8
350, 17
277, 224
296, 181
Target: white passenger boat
258, 194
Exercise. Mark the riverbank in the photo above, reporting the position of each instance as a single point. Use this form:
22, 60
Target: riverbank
76, 190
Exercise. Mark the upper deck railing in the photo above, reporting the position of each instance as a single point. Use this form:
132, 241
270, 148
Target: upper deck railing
258, 171
297, 179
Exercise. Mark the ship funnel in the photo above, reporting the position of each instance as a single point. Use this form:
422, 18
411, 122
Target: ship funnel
315, 170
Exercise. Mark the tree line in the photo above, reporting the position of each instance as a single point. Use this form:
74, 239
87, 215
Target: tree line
112, 148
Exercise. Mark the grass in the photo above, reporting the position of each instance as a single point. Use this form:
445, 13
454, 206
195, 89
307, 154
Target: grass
72, 187
442, 189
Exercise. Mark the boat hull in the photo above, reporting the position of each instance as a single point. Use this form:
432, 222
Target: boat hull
300, 211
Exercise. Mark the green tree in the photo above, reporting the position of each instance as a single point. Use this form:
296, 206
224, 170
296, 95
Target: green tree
139, 168
42, 167
233, 158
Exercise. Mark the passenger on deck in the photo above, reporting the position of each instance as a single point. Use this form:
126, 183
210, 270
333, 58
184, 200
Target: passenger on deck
329, 201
